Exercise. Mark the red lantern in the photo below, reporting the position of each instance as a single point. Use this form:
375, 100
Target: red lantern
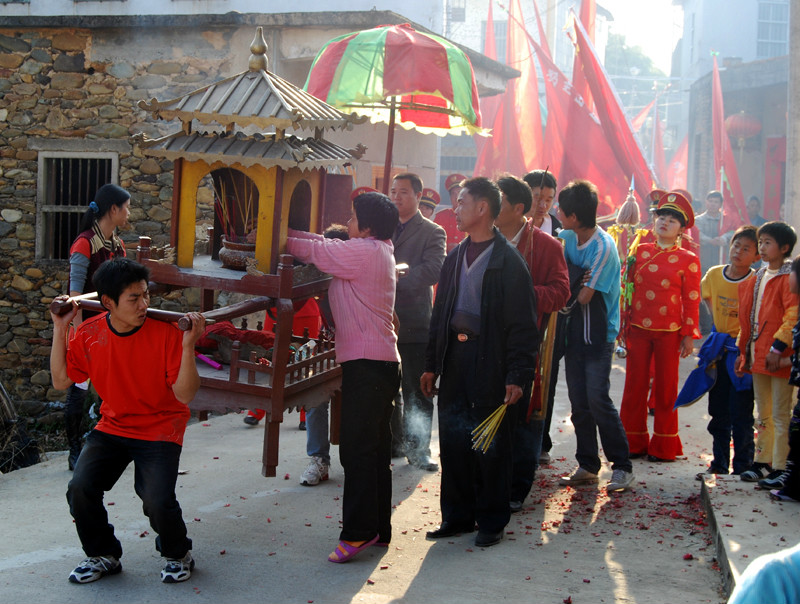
742, 125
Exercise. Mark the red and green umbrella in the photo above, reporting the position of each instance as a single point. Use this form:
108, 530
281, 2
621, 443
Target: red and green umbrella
396, 74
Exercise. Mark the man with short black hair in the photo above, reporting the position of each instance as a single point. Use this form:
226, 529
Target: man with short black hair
543, 186
144, 371
483, 343
544, 256
420, 244
591, 333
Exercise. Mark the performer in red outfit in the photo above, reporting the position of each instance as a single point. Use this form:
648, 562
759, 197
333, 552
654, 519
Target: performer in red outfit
446, 217
662, 324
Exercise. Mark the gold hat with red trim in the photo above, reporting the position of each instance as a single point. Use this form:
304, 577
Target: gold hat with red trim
677, 202
360, 191
430, 198
655, 197
454, 180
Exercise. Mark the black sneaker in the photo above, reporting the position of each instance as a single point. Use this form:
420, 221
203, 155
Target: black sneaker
776, 480
756, 472
178, 569
94, 568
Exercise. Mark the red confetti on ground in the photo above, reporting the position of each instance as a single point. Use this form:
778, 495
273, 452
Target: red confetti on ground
206, 425
688, 557
269, 520
286, 476
110, 503
272, 553
308, 524
528, 578
567, 600
222, 552
370, 582
197, 520
384, 567
143, 534
587, 581
328, 516
215, 457
227, 505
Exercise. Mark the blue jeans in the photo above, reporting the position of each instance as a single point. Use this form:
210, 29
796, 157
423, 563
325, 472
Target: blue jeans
588, 381
102, 462
317, 442
731, 414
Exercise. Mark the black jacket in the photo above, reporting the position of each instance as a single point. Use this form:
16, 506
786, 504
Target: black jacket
509, 339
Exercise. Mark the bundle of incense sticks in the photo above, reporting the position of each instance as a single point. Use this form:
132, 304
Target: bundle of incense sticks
483, 435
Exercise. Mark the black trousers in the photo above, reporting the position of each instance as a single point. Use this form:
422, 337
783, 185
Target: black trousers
104, 458
417, 408
365, 448
475, 485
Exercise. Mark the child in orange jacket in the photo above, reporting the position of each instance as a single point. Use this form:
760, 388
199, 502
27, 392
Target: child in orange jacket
767, 313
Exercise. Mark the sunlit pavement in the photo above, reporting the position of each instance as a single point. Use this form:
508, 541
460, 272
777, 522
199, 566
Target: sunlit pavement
267, 539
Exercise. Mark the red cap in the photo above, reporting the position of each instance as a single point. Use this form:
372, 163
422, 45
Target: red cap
454, 180
430, 198
685, 193
677, 202
655, 197
360, 191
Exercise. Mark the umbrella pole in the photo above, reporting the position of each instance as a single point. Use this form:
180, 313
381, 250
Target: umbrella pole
387, 166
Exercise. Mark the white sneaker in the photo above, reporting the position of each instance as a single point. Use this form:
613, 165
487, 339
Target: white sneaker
178, 570
579, 476
620, 480
94, 568
315, 472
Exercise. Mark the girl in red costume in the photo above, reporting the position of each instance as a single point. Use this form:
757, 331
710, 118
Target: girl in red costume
662, 322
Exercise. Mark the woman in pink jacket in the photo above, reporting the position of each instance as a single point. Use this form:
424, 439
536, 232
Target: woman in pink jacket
362, 302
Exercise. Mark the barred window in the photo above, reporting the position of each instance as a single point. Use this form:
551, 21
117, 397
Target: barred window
67, 183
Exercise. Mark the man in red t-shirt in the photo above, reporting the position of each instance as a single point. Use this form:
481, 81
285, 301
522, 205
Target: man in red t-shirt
144, 371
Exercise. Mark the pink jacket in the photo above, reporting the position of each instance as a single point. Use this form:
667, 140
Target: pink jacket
361, 293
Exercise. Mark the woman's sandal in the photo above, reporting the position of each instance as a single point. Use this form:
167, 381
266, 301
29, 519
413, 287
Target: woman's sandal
345, 550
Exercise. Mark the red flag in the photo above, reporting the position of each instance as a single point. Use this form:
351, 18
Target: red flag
676, 170
542, 36
575, 144
489, 105
734, 209
615, 123
516, 141
638, 121
587, 17
659, 160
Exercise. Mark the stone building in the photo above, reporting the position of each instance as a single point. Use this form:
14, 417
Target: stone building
69, 88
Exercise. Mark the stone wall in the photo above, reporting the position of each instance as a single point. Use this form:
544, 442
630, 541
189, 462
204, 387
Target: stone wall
76, 90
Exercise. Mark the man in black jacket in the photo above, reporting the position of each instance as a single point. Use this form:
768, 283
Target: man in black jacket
483, 343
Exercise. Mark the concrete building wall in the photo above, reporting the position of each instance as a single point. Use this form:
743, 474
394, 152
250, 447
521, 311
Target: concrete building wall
425, 12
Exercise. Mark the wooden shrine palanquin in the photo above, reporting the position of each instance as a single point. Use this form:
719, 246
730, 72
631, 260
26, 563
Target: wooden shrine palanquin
264, 184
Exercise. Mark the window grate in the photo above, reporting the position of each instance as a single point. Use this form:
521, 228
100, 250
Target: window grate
68, 183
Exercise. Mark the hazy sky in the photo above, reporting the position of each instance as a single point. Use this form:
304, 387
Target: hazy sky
655, 25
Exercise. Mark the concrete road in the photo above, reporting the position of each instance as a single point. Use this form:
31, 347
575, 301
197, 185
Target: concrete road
266, 540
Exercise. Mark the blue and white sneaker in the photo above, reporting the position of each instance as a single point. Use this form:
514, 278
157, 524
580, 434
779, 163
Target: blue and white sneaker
94, 568
178, 569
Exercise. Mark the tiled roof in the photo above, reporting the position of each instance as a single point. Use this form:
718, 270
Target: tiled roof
252, 98
266, 150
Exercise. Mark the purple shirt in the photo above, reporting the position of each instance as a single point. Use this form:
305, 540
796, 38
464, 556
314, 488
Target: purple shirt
361, 293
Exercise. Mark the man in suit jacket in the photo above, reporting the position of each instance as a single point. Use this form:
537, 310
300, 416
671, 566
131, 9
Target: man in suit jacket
419, 243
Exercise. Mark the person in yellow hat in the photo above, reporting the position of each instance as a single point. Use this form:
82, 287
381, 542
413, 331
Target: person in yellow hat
662, 322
